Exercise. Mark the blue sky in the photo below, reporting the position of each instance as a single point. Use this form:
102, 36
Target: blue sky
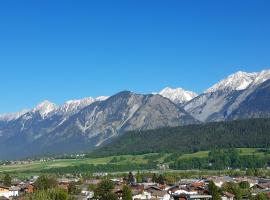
60, 50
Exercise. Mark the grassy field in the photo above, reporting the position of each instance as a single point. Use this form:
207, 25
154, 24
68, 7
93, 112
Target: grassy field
40, 165
140, 159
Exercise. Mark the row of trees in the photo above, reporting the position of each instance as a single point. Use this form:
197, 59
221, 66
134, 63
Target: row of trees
222, 159
142, 177
102, 168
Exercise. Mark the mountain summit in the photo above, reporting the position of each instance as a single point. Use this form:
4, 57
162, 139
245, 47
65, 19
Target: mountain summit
222, 100
240, 81
177, 95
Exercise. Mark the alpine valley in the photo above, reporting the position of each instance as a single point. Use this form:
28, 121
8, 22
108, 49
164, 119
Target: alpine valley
82, 125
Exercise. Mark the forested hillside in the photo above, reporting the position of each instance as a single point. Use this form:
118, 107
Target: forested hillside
191, 138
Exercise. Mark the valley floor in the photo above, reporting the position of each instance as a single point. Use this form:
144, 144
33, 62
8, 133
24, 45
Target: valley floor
160, 160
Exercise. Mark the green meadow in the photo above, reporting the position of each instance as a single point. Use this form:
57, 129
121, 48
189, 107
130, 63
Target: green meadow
36, 166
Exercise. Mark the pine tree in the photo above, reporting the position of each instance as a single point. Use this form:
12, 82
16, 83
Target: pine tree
154, 178
213, 190
138, 177
161, 179
104, 191
7, 180
127, 195
130, 178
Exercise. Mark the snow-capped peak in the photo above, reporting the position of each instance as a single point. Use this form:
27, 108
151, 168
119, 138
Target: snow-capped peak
72, 106
85, 100
262, 76
101, 98
177, 95
238, 81
45, 107
12, 116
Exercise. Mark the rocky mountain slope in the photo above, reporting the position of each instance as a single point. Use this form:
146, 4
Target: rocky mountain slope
84, 124
222, 100
50, 129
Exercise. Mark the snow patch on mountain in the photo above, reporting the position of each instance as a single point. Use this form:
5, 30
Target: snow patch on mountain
262, 76
45, 107
72, 106
238, 81
12, 116
177, 95
101, 98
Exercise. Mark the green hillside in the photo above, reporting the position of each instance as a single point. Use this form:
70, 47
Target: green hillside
252, 133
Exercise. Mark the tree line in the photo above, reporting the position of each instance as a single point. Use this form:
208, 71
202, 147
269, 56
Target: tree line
220, 159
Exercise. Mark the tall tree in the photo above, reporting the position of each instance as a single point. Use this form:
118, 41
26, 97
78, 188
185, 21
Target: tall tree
104, 191
7, 180
213, 190
127, 194
138, 177
131, 178
244, 185
154, 178
161, 179
45, 182
233, 188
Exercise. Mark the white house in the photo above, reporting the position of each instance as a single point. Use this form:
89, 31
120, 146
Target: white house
4, 192
14, 191
144, 195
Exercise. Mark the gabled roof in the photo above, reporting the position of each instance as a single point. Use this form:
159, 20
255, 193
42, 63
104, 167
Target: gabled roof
14, 188
4, 187
227, 194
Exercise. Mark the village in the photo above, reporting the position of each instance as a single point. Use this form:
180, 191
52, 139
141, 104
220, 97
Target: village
153, 187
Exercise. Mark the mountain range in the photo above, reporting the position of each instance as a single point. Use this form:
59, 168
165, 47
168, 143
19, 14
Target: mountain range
82, 125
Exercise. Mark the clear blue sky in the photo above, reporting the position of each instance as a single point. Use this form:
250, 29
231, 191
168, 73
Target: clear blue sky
60, 50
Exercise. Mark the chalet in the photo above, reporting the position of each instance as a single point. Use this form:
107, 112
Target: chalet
143, 195
118, 190
93, 181
63, 185
180, 190
27, 188
227, 196
258, 188
14, 191
67, 180
86, 192
157, 192
4, 192
191, 197
137, 189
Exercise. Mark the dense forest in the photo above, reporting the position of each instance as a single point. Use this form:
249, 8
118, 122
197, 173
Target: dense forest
191, 138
